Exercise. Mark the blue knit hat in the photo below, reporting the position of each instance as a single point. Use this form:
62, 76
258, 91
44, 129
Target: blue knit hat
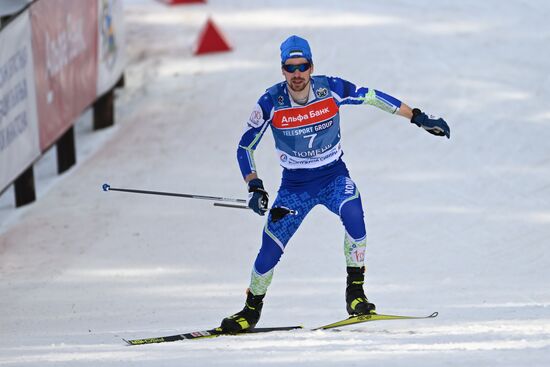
295, 46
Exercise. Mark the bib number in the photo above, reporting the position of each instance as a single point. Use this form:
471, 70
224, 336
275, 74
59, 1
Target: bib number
311, 137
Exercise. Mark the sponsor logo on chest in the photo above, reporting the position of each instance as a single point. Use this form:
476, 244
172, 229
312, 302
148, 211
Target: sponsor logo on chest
313, 113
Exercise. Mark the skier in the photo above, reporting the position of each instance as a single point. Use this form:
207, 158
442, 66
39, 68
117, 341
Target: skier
303, 114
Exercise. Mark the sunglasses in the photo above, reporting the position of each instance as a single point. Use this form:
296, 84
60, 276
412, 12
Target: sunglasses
300, 67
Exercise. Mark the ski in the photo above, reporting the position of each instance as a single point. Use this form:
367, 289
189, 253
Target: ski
372, 317
212, 333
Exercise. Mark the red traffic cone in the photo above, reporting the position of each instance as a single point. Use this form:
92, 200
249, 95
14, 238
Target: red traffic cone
211, 40
177, 2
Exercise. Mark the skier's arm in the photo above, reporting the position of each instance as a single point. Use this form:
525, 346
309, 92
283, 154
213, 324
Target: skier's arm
250, 177
245, 152
255, 128
405, 111
347, 93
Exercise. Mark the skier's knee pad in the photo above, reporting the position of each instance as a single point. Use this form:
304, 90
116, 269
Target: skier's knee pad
269, 255
352, 216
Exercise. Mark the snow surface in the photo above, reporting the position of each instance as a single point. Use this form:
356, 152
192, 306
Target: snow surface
459, 226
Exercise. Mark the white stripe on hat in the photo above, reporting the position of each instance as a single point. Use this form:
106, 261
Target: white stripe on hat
295, 53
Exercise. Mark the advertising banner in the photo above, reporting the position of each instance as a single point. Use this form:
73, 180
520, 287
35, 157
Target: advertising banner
111, 44
64, 40
19, 145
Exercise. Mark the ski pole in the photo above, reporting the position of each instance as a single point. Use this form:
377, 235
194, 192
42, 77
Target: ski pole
277, 213
107, 187
232, 206
289, 211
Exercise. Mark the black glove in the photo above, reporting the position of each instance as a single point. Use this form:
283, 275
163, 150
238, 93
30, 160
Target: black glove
257, 196
433, 125
280, 212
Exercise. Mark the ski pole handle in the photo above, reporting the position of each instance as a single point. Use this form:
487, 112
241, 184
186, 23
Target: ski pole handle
107, 187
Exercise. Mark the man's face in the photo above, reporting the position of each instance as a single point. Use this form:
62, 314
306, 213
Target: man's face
297, 80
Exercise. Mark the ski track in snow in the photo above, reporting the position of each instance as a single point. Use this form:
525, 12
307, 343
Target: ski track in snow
459, 226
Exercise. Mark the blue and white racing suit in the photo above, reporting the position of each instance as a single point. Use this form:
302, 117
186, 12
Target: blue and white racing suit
307, 140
